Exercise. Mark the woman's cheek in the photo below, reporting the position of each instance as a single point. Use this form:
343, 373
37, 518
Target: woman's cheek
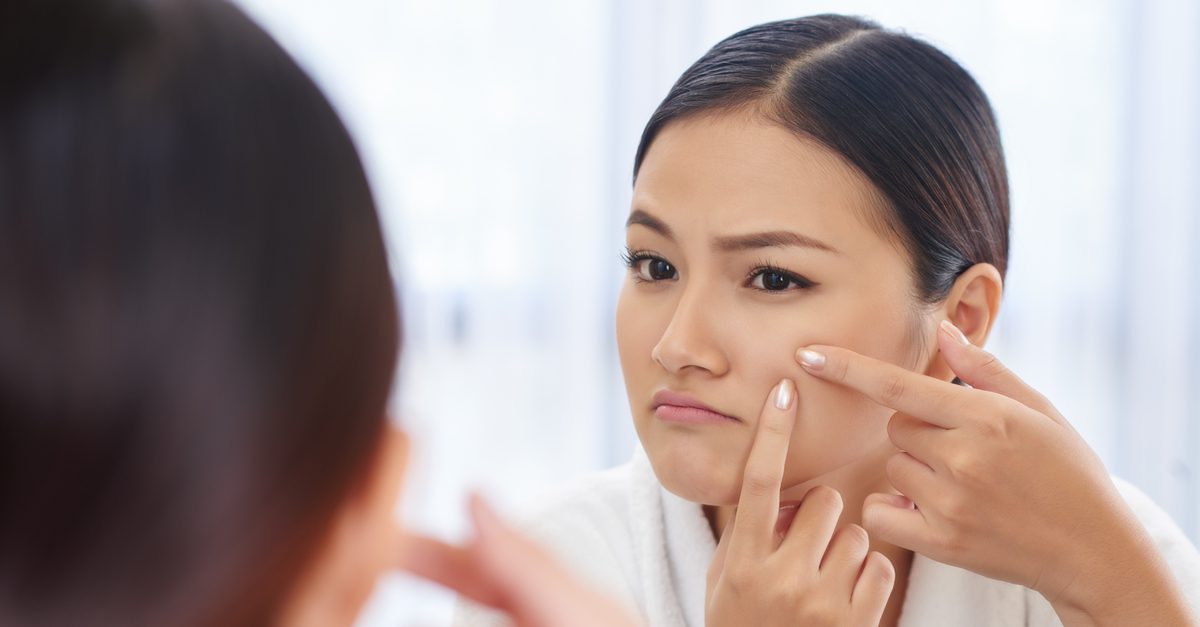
640, 325
635, 331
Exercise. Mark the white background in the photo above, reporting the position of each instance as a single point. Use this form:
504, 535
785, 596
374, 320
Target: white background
499, 137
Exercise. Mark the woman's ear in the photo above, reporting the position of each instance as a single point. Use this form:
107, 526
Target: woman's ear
974, 301
971, 305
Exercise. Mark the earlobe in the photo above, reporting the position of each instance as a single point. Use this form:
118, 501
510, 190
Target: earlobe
974, 301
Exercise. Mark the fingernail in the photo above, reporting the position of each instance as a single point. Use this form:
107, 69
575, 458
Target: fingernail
896, 500
949, 329
784, 395
812, 359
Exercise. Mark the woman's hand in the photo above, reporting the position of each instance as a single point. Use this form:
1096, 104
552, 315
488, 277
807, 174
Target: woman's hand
504, 570
996, 481
773, 569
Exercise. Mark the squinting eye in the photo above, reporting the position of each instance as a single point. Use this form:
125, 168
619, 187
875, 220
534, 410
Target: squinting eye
654, 269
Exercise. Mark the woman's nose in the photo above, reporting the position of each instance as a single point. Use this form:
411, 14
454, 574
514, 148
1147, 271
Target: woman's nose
691, 338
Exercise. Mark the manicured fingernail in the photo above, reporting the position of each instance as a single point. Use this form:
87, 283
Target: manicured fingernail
812, 359
784, 394
949, 329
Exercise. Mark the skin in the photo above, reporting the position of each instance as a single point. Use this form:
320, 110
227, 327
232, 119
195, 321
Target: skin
831, 447
877, 419
997, 481
772, 568
708, 332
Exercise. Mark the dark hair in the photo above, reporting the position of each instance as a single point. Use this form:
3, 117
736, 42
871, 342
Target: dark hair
198, 327
905, 114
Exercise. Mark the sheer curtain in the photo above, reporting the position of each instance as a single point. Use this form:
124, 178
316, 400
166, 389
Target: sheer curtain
499, 137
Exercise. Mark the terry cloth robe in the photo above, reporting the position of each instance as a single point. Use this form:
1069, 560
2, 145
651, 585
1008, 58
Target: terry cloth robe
627, 535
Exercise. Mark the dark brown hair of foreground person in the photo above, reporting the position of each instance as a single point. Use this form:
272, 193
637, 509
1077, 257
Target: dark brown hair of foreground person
198, 328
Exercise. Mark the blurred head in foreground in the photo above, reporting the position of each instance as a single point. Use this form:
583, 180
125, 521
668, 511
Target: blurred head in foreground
198, 327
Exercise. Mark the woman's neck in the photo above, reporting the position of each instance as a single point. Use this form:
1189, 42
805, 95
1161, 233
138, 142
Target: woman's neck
854, 482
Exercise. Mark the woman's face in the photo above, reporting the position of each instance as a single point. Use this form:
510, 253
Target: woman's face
747, 243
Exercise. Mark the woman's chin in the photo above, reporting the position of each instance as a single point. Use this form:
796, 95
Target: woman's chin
714, 477
698, 478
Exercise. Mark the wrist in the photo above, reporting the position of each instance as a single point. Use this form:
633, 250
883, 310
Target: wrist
1115, 560
1126, 582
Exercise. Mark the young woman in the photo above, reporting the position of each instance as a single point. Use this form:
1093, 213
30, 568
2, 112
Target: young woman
198, 332
820, 221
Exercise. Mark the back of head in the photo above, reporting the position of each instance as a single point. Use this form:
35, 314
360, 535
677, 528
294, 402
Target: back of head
197, 323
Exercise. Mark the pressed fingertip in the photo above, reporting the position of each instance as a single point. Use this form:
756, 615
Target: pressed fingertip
811, 359
954, 333
785, 394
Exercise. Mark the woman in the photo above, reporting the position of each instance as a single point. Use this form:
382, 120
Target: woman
820, 219
198, 332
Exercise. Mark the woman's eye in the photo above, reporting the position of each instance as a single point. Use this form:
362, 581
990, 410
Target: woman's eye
772, 280
655, 269
648, 267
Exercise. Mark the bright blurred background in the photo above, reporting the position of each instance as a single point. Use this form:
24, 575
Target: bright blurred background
500, 136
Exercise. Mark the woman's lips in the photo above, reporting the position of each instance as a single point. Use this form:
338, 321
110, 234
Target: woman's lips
677, 407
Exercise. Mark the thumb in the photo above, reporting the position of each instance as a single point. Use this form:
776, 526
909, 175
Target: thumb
505, 555
451, 566
535, 590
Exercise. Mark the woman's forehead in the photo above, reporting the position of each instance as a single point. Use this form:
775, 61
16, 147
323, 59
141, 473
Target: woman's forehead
737, 172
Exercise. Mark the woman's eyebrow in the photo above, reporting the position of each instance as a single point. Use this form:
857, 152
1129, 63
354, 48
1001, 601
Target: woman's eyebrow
654, 224
770, 239
735, 243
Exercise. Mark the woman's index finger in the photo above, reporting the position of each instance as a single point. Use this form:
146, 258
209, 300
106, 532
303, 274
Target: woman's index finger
762, 479
920, 396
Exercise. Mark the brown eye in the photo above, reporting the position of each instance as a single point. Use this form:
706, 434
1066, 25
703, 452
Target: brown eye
770, 279
654, 269
648, 267
774, 281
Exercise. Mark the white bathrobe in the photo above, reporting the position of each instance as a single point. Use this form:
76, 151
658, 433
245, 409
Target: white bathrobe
622, 531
